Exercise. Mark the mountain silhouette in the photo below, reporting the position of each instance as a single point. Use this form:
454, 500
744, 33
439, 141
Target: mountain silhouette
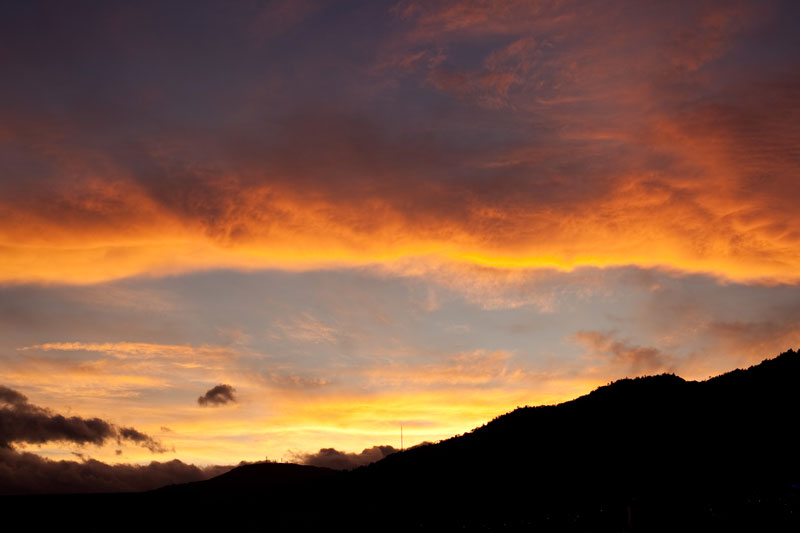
655, 453
257, 477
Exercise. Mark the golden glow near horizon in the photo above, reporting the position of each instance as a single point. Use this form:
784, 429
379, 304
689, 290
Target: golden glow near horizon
299, 425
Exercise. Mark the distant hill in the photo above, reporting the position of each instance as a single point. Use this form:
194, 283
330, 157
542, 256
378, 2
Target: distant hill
257, 477
654, 453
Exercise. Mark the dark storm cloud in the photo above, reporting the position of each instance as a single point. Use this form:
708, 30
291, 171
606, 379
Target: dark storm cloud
219, 395
23, 422
26, 473
332, 458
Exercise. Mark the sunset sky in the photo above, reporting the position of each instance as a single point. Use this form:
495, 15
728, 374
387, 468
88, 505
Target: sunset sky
358, 215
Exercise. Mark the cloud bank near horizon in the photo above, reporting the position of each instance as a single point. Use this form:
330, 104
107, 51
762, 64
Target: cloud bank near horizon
338, 460
24, 423
28, 473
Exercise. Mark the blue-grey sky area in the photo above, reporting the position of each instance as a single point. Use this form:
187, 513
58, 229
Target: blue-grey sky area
143, 349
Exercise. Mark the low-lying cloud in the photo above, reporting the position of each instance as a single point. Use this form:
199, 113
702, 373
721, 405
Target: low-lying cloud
23, 422
28, 473
220, 395
333, 458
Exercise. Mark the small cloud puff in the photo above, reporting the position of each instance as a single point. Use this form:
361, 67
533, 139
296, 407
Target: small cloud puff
219, 395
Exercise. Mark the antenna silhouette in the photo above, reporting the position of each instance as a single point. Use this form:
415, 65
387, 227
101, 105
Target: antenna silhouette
401, 437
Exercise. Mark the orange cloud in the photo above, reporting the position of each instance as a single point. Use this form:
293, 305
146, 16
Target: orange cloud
706, 226
605, 137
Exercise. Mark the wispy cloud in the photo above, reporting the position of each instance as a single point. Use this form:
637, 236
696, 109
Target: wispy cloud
136, 350
478, 368
622, 357
306, 327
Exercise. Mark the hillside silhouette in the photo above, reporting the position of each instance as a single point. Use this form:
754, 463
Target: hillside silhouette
257, 477
655, 453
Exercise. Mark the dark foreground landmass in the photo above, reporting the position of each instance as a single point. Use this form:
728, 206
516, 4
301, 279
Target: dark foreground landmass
649, 454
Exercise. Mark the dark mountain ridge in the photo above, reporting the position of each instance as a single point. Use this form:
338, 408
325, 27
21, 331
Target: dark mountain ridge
662, 420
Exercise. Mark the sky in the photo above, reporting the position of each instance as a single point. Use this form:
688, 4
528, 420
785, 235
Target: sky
256, 229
